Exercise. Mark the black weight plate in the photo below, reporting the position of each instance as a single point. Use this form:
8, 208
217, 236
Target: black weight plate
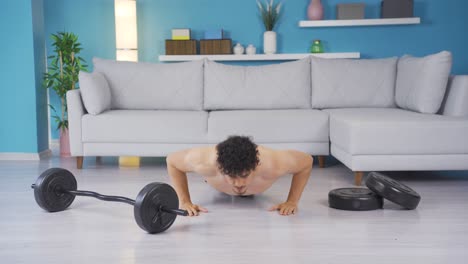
354, 199
393, 190
47, 189
147, 204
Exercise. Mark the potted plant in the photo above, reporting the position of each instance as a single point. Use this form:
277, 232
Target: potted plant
270, 14
62, 76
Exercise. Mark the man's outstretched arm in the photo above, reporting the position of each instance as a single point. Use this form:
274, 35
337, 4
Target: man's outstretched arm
300, 165
178, 164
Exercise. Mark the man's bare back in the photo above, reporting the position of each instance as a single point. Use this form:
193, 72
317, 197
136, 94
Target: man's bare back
271, 165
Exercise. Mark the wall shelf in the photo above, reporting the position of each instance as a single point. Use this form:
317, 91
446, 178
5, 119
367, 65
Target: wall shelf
360, 22
260, 57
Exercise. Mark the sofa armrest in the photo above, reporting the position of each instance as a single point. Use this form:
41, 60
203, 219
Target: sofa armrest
76, 111
456, 98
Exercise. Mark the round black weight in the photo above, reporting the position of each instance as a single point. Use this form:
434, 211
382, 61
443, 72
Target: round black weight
393, 190
147, 207
47, 189
354, 199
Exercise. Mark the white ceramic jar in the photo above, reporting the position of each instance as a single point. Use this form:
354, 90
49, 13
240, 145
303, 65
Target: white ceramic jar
251, 50
238, 49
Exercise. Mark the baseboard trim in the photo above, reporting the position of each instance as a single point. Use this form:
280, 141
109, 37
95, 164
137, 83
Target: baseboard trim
26, 156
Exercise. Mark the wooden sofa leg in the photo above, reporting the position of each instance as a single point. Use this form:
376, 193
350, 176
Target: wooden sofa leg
321, 160
358, 178
79, 162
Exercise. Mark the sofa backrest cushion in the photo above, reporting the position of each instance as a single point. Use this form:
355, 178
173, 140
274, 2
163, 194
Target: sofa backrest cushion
338, 83
278, 86
150, 86
456, 98
95, 92
422, 82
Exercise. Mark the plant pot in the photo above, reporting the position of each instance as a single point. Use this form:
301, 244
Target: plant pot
269, 42
64, 143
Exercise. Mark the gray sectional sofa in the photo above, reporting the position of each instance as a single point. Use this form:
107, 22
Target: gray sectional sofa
382, 114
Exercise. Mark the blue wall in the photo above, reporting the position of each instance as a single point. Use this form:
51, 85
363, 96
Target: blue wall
443, 27
23, 111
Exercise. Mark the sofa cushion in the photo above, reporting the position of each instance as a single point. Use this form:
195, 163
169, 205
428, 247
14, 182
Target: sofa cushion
456, 98
395, 131
149, 86
422, 82
338, 83
279, 126
145, 126
278, 86
95, 92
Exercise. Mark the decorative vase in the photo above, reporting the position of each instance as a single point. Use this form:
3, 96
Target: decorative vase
238, 49
64, 143
316, 47
269, 42
251, 50
315, 10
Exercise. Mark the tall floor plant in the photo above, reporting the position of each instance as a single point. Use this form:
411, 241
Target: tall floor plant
62, 74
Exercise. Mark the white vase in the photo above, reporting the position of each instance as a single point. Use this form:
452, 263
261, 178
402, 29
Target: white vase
269, 42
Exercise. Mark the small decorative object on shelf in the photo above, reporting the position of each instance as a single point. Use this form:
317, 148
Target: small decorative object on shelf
269, 42
397, 8
251, 50
317, 47
238, 49
215, 46
181, 47
181, 44
270, 13
315, 10
214, 34
181, 34
350, 11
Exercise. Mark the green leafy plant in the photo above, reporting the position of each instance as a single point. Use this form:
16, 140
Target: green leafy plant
62, 73
270, 13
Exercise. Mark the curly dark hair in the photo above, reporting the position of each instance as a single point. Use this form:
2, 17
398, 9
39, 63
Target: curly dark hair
237, 156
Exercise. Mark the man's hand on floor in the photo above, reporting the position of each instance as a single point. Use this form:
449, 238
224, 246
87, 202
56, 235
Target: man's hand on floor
193, 209
286, 208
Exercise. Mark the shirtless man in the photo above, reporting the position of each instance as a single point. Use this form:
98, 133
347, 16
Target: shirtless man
237, 166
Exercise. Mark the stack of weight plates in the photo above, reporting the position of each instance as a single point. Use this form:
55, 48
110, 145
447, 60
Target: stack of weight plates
380, 187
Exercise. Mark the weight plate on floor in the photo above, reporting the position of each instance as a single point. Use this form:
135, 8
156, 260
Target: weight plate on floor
393, 190
354, 199
147, 213
47, 189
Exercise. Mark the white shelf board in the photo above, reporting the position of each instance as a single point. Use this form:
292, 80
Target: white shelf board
360, 22
260, 57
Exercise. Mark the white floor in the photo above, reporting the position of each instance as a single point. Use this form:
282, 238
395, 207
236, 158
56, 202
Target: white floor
237, 230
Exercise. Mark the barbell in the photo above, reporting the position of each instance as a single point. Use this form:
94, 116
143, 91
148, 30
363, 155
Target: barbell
155, 207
